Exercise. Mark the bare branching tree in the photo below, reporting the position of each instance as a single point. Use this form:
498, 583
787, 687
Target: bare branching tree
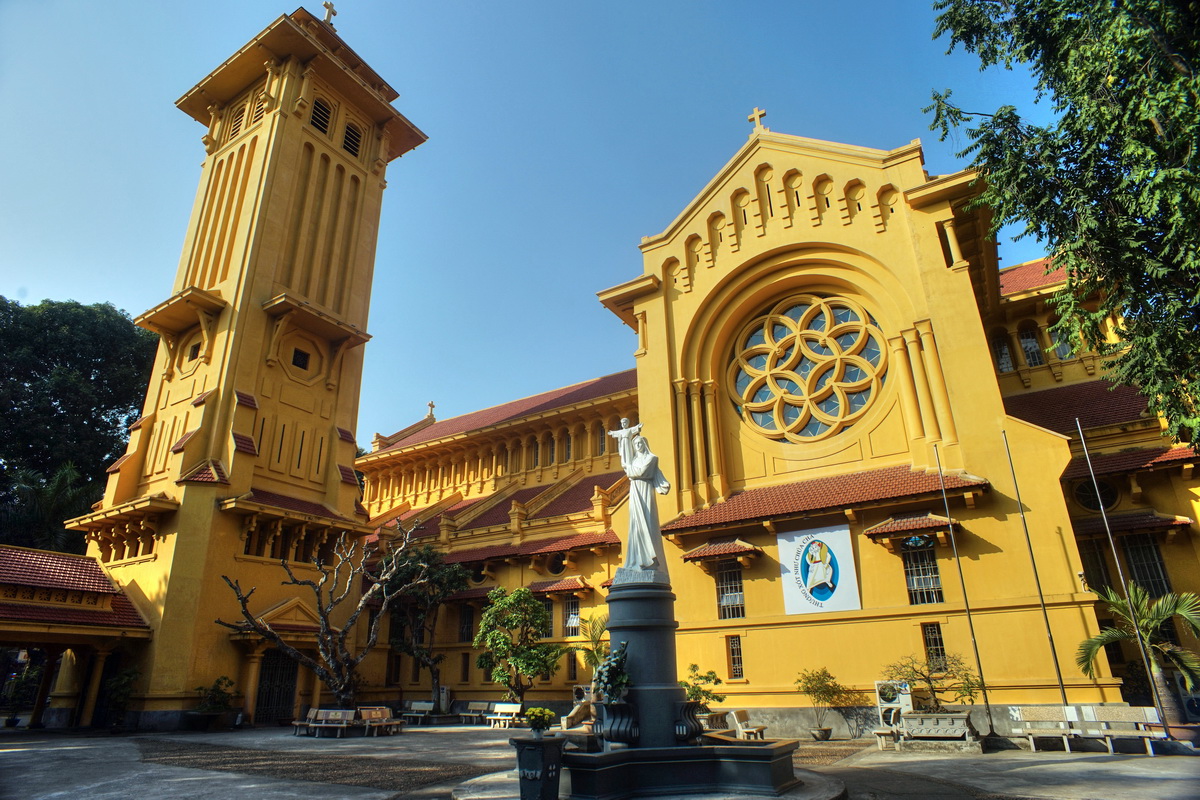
347, 566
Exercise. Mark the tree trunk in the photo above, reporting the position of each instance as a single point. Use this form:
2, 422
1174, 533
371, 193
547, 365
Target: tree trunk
435, 681
1166, 694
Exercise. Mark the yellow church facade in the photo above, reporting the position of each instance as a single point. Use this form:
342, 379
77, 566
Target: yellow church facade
824, 356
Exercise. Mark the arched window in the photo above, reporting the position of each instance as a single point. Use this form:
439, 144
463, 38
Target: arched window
352, 140
1031, 347
321, 115
1000, 351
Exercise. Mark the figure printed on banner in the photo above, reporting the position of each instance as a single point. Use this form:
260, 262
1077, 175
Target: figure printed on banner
818, 570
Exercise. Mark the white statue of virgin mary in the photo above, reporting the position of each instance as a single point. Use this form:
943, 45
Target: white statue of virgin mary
644, 550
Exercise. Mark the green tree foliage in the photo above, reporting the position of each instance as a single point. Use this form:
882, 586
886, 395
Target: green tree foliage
74, 377
424, 580
1113, 183
1152, 619
696, 686
510, 632
38, 505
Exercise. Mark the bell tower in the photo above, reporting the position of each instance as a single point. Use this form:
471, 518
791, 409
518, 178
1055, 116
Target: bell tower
244, 452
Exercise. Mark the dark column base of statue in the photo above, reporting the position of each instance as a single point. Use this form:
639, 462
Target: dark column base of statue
657, 748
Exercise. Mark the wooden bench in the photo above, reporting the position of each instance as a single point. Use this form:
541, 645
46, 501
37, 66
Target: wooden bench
1047, 722
418, 712
332, 718
505, 715
1097, 723
477, 711
305, 724
745, 729
379, 718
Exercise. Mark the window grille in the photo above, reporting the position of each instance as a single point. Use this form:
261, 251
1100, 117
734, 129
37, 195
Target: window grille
235, 122
1146, 564
352, 140
535, 450
464, 667
601, 440
571, 617
921, 571
731, 603
548, 604
935, 646
1031, 348
1004, 362
194, 352
567, 448
260, 108
572, 668
733, 649
1095, 566
466, 623
321, 115
393, 668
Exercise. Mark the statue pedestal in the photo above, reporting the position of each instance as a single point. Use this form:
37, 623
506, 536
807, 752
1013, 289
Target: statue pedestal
643, 614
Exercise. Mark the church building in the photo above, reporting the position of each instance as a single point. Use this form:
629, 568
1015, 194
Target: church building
824, 356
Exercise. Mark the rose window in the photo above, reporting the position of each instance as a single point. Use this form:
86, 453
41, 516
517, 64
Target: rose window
808, 368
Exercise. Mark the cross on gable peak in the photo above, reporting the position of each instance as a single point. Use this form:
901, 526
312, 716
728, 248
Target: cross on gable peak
756, 117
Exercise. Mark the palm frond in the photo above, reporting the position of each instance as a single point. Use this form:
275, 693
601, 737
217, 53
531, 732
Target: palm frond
1085, 656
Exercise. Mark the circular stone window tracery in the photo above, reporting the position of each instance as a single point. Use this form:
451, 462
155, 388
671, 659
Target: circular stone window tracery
808, 369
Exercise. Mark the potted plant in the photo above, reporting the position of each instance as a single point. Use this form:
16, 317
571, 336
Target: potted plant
935, 683
695, 687
215, 701
825, 692
539, 720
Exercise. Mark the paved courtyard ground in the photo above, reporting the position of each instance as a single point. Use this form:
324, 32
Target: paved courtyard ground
427, 763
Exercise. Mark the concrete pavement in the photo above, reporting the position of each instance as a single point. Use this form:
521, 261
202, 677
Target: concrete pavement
429, 763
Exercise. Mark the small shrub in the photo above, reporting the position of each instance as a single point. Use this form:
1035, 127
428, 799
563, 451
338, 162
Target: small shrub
217, 697
540, 719
696, 684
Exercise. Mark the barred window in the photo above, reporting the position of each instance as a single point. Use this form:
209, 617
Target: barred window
921, 571
1000, 351
466, 623
352, 140
464, 667
1146, 564
1095, 566
567, 447
548, 604
571, 617
733, 651
1031, 347
572, 668
601, 440
320, 116
394, 668
935, 646
731, 603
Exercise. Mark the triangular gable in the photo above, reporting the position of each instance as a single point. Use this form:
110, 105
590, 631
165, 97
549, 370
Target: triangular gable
291, 614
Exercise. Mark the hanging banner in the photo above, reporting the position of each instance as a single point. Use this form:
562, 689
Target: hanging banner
818, 570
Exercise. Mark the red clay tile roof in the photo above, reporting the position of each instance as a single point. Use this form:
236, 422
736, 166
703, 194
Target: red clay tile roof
199, 401
122, 614
579, 497
244, 444
540, 547
116, 465
546, 401
207, 472
1129, 461
476, 593
822, 494
719, 548
345, 435
1096, 403
572, 584
1127, 523
246, 399
138, 423
43, 568
360, 509
1032, 275
431, 525
183, 440
347, 474
908, 523
498, 514
607, 584
290, 504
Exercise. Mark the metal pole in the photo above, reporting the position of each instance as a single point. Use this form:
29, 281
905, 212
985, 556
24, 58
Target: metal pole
1062, 688
966, 603
1137, 629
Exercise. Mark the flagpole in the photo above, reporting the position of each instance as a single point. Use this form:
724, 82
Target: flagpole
1062, 689
966, 603
1137, 629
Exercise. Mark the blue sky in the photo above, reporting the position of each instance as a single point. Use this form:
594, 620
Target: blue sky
560, 133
